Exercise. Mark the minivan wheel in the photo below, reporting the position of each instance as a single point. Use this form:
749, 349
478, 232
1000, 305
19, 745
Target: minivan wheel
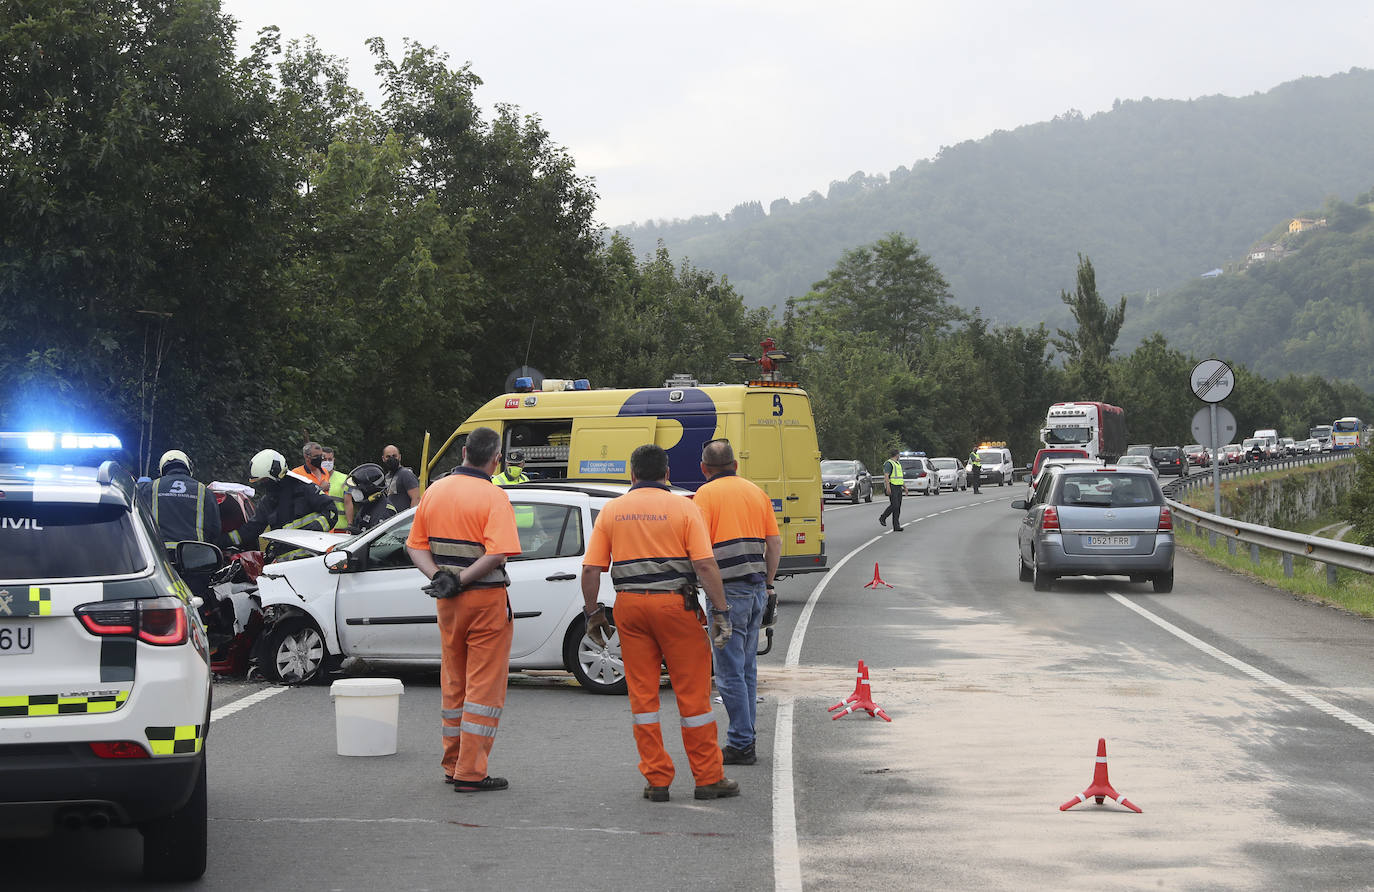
1164, 583
1023, 572
1042, 581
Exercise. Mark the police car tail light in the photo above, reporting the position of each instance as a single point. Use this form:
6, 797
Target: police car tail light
1049, 521
1166, 520
119, 749
160, 621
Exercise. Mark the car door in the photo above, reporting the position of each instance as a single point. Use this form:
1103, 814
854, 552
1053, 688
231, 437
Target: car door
380, 610
545, 587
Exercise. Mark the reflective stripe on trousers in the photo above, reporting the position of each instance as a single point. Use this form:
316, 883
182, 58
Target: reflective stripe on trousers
655, 630
475, 631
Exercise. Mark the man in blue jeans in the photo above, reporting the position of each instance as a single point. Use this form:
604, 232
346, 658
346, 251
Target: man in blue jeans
744, 536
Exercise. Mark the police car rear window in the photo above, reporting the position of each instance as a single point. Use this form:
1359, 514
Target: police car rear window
66, 541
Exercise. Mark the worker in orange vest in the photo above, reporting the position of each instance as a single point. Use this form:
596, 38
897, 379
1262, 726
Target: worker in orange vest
462, 533
655, 544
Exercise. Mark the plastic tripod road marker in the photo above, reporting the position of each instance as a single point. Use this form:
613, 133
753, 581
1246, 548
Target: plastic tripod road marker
877, 580
862, 698
1101, 788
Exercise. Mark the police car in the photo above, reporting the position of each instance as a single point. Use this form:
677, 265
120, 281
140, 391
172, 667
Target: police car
104, 668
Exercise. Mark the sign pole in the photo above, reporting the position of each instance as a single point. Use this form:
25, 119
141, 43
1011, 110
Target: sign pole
1216, 465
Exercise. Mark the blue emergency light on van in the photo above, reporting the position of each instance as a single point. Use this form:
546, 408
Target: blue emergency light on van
524, 385
581, 384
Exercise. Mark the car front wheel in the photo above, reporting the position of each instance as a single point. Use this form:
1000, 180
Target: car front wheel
600, 670
295, 652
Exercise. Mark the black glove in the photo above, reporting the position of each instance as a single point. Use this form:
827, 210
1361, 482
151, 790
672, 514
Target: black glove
770, 610
443, 584
598, 629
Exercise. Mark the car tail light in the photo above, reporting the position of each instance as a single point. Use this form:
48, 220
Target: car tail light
1166, 520
160, 621
119, 749
1049, 520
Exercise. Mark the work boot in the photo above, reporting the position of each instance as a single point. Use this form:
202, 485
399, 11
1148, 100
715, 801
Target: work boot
882, 521
721, 789
485, 785
896, 529
656, 794
731, 755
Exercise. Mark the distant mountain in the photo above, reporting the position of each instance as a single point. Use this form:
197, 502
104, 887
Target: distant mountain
1155, 192
1300, 301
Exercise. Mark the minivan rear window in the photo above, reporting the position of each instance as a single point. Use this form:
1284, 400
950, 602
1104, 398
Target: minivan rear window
67, 541
1106, 489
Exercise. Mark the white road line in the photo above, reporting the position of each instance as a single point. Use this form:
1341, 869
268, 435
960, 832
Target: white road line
1262, 677
229, 709
786, 853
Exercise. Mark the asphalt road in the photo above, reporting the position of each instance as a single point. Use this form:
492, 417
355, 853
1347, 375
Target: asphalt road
1239, 719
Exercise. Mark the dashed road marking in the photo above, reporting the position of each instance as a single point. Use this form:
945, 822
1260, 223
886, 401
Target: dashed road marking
229, 709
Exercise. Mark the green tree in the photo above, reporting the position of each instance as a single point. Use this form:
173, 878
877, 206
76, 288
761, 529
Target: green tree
1359, 504
1088, 349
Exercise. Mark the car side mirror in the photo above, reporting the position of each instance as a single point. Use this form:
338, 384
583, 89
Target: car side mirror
1020, 504
337, 561
192, 556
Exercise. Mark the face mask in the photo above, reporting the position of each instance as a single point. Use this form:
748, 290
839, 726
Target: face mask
392, 464
315, 460
327, 465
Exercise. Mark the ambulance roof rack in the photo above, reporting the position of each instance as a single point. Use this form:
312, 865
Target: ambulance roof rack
681, 380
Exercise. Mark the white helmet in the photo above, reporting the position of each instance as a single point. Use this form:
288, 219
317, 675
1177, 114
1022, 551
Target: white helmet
170, 456
267, 463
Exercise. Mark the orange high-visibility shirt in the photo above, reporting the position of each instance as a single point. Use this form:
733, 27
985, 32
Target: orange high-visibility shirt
649, 538
318, 476
739, 516
462, 517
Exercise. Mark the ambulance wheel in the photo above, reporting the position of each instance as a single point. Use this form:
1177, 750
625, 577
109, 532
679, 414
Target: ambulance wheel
174, 847
600, 670
295, 652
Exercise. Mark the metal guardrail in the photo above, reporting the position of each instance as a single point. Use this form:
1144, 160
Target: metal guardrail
1332, 552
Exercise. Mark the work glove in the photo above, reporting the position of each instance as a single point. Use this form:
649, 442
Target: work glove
721, 629
770, 610
443, 584
599, 628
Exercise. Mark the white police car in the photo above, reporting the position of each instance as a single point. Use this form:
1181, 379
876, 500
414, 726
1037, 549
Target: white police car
104, 669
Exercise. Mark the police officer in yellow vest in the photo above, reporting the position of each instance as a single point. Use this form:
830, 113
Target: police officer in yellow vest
975, 469
514, 472
894, 484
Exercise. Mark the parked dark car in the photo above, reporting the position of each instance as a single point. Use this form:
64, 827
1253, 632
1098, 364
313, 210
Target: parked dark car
1168, 460
846, 479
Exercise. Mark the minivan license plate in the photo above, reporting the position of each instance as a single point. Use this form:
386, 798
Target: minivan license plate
1109, 540
16, 639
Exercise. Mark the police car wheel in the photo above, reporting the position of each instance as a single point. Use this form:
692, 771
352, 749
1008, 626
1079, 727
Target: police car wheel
174, 847
598, 670
295, 652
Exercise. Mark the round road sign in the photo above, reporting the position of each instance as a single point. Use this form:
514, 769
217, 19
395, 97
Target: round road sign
1202, 427
1212, 381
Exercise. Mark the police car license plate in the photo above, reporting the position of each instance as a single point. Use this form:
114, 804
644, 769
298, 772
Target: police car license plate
16, 639
1109, 540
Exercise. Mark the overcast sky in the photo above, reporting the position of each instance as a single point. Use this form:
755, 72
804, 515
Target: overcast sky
681, 108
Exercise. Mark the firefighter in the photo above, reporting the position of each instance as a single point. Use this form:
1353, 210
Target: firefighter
463, 531
366, 489
183, 508
894, 484
656, 546
290, 501
744, 536
975, 469
514, 473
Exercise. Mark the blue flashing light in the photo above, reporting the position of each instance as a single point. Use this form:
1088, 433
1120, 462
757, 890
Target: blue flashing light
47, 441
582, 384
524, 385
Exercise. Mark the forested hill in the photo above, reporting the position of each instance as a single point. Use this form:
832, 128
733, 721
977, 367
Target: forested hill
1306, 306
1156, 192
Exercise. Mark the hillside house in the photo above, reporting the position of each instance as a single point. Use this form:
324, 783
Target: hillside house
1302, 224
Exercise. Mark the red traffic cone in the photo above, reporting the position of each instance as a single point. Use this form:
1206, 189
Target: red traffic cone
877, 580
862, 698
1101, 787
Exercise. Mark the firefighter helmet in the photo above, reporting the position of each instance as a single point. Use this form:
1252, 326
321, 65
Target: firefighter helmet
269, 463
366, 481
170, 456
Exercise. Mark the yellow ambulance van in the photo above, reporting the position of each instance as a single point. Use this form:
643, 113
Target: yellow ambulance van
568, 431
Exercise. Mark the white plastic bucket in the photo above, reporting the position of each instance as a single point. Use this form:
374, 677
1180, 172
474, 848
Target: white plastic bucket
366, 713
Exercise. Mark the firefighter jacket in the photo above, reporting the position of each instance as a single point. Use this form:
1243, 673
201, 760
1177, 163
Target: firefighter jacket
294, 504
182, 507
367, 515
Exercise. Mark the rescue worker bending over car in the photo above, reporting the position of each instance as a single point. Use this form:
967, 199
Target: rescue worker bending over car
290, 501
367, 494
655, 544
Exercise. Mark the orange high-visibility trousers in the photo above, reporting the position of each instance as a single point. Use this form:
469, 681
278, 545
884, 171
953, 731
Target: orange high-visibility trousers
655, 629
475, 631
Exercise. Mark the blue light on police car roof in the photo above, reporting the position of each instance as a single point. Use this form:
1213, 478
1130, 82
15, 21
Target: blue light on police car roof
47, 441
